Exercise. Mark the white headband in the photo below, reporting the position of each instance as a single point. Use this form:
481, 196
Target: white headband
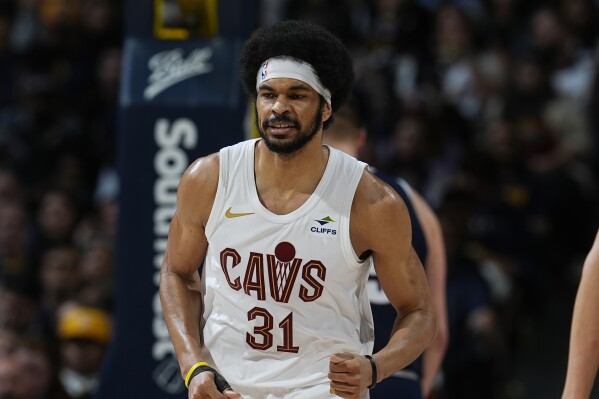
285, 67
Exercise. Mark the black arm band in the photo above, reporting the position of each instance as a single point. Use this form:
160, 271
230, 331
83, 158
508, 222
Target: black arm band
219, 380
374, 376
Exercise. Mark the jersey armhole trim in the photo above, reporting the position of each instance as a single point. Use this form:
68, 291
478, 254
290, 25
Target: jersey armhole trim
221, 191
405, 185
353, 260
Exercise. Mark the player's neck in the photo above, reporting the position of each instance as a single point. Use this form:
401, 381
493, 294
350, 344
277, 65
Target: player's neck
307, 163
289, 177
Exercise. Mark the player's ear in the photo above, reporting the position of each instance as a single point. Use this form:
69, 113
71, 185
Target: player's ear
327, 110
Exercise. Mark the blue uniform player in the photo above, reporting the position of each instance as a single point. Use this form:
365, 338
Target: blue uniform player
415, 381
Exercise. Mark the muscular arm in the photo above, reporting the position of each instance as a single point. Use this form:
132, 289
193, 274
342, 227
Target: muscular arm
583, 360
436, 272
380, 223
187, 244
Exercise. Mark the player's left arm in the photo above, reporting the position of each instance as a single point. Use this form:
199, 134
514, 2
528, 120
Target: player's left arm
436, 273
382, 226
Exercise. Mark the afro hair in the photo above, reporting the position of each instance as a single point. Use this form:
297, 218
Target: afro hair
303, 41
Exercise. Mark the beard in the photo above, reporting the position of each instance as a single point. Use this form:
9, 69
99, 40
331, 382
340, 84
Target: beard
289, 146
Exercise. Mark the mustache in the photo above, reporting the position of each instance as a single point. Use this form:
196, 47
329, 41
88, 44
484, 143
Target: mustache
281, 119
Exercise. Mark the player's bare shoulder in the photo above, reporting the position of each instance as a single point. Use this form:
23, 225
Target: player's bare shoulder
373, 194
198, 187
377, 210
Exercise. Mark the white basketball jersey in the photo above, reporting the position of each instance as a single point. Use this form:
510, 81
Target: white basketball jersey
283, 292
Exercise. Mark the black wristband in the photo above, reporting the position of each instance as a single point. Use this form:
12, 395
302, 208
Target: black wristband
219, 380
374, 376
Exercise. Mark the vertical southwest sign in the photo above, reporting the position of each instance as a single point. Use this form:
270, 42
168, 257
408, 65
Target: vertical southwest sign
180, 99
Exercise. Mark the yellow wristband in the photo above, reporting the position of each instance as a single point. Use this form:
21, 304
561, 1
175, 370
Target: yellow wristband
192, 369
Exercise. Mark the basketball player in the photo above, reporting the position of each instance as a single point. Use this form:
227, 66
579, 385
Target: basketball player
583, 359
416, 380
287, 229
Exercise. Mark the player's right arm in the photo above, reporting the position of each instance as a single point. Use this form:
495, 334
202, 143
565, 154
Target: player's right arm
179, 278
583, 358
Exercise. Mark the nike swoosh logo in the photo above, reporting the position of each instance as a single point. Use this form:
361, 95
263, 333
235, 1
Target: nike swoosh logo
230, 214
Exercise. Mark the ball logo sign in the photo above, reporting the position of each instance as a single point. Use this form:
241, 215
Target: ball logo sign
170, 67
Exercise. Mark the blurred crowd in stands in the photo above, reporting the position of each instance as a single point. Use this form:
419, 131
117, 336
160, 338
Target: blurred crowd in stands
59, 80
490, 108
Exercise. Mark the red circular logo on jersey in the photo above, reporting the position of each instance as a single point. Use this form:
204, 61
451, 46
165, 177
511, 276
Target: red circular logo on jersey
285, 251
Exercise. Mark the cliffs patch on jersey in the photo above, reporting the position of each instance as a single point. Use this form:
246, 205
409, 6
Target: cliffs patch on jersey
325, 226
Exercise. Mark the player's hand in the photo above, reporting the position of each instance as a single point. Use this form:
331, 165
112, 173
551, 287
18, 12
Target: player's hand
202, 386
350, 375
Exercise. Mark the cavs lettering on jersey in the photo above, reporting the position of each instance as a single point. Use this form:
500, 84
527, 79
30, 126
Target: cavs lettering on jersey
282, 293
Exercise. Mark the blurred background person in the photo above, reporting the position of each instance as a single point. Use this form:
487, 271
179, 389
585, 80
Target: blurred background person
20, 309
60, 281
475, 363
583, 359
8, 375
84, 334
35, 375
17, 260
97, 274
417, 380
